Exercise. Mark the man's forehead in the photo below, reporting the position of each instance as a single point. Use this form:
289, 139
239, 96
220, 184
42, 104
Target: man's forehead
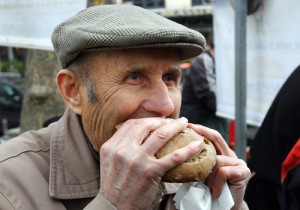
142, 67
155, 53
136, 60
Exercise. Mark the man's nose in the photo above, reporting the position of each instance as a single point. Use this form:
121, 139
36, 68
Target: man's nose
160, 100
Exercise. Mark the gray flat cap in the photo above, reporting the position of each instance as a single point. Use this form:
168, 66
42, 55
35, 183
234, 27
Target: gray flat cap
121, 27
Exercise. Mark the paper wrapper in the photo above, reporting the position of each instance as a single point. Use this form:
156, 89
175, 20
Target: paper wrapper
197, 196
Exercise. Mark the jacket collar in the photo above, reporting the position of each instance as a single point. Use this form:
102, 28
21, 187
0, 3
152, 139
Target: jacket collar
74, 172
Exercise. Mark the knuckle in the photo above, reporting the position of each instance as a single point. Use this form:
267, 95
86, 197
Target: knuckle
160, 134
217, 134
130, 122
222, 172
119, 155
133, 165
242, 162
177, 157
136, 162
110, 150
141, 122
105, 149
149, 172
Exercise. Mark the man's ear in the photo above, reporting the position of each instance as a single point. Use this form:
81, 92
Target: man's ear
69, 88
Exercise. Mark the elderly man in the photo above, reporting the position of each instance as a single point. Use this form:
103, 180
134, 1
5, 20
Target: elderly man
120, 65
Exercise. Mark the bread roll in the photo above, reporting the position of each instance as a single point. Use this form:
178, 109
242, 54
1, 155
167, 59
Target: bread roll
196, 168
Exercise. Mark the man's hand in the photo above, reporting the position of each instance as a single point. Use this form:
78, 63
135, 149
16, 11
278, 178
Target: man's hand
130, 173
228, 167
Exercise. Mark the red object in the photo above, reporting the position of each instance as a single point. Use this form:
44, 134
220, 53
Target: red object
291, 161
232, 138
232, 134
185, 65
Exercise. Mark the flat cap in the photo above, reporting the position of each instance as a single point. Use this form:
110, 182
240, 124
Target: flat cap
120, 27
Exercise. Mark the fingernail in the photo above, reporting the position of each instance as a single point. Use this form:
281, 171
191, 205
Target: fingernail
183, 119
169, 120
197, 146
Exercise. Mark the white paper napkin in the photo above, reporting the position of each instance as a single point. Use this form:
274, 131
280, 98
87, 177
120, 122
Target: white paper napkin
197, 196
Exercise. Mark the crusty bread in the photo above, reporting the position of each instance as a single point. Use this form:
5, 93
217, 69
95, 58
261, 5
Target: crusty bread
196, 168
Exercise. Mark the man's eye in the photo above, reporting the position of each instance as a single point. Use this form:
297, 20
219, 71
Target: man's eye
170, 77
133, 76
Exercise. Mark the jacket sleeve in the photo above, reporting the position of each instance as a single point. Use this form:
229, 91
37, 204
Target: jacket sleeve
4, 203
99, 202
201, 85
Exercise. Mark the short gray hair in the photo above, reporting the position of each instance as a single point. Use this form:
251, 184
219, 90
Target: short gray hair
81, 67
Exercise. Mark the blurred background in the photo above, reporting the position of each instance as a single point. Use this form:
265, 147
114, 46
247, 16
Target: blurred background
248, 36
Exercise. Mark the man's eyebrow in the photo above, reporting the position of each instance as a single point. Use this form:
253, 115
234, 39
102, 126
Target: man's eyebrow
175, 68
143, 68
138, 68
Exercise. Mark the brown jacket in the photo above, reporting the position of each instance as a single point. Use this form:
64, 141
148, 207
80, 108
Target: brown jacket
53, 169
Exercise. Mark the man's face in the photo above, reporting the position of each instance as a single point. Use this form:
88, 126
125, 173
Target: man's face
133, 83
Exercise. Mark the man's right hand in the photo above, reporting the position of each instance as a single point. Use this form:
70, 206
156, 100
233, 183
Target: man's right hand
130, 173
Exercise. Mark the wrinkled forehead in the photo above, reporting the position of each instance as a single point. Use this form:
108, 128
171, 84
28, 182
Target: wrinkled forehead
149, 60
137, 56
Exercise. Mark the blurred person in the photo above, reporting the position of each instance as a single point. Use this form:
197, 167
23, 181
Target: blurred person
199, 102
117, 68
274, 140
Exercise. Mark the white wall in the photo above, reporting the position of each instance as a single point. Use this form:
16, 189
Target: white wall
273, 52
30, 23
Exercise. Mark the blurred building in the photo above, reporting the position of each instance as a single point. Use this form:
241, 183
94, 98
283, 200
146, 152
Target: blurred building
195, 14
